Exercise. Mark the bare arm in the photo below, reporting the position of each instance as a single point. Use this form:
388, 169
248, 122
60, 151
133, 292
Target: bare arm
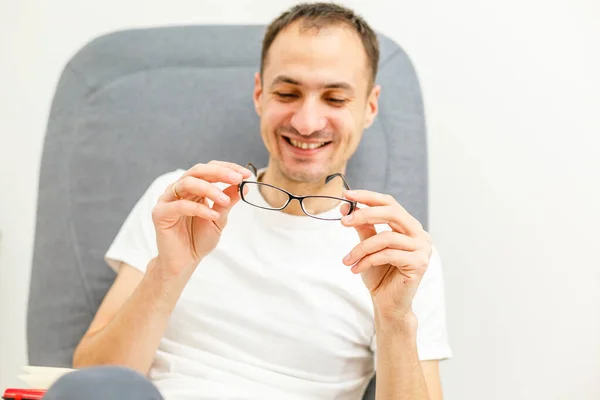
431, 372
392, 264
134, 314
399, 372
132, 319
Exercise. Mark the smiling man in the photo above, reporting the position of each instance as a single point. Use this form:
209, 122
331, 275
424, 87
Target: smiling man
303, 290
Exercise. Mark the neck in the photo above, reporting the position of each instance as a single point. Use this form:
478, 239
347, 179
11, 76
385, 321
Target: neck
274, 176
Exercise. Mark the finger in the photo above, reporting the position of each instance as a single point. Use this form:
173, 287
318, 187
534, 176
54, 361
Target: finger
382, 257
246, 173
183, 208
364, 231
234, 195
369, 198
345, 208
195, 189
374, 215
216, 173
381, 241
409, 263
410, 225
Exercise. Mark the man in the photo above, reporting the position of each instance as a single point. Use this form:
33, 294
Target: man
217, 298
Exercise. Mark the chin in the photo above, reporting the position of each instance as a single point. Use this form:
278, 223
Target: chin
300, 171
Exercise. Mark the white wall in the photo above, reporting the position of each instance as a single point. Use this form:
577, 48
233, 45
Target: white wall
513, 105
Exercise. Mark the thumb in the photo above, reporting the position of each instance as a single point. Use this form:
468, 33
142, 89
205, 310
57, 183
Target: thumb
234, 196
364, 231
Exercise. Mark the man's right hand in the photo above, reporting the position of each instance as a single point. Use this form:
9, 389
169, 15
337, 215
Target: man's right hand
187, 229
134, 314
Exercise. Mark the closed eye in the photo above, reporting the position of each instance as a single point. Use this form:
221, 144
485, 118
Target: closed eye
336, 101
286, 95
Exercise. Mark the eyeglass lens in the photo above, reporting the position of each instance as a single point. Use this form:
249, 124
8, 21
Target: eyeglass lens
278, 199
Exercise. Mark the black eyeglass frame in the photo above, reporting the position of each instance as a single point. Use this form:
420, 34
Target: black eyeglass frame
300, 199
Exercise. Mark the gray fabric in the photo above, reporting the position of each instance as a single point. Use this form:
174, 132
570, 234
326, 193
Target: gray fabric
132, 105
103, 383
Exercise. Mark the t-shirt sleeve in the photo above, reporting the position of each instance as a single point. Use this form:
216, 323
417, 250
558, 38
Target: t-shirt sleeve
429, 307
135, 243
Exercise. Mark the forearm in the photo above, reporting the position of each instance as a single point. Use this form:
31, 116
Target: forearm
132, 337
399, 373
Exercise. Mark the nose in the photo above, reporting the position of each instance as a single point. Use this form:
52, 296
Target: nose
309, 118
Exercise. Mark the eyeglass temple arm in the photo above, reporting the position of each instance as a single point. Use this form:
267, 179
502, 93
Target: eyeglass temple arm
327, 180
252, 167
330, 177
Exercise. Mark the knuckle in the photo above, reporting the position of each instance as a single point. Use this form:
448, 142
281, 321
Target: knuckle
156, 211
359, 250
164, 195
184, 183
428, 248
365, 262
390, 236
422, 260
388, 253
426, 237
199, 169
198, 206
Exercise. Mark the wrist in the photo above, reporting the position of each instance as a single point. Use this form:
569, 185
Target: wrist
163, 286
164, 282
166, 271
160, 272
396, 323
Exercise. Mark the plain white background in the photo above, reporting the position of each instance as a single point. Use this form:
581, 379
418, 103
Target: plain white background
512, 95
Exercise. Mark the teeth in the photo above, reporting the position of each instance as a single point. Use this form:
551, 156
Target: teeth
305, 146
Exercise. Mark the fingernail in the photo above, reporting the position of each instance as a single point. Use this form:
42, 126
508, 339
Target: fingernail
347, 218
214, 214
347, 258
349, 193
235, 176
223, 198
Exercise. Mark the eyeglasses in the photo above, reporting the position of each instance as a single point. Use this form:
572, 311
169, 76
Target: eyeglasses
280, 198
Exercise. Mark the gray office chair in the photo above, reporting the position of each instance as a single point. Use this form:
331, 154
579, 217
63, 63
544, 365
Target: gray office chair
132, 105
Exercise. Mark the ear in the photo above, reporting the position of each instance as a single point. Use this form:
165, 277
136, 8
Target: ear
372, 106
257, 95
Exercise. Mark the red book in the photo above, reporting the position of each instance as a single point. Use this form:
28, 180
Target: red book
23, 394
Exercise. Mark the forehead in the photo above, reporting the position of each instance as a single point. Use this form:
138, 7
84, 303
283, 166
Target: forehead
314, 56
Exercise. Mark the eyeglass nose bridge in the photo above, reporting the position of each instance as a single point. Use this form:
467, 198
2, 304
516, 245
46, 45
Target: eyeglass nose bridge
299, 199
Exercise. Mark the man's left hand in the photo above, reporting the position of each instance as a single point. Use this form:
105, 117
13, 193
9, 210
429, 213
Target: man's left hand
392, 263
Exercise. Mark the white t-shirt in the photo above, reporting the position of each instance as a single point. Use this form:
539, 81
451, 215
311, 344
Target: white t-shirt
272, 312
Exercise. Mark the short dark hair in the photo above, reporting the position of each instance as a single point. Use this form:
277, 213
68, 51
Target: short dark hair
322, 15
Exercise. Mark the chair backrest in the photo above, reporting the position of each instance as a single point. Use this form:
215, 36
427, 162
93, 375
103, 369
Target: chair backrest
134, 104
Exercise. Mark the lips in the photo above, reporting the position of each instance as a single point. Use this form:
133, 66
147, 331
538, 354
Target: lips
305, 145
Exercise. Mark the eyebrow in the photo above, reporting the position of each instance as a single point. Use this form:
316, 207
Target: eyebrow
332, 85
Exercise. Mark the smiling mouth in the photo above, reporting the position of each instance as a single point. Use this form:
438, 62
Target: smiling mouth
305, 146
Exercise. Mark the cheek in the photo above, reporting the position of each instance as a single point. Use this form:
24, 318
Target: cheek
274, 116
343, 121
